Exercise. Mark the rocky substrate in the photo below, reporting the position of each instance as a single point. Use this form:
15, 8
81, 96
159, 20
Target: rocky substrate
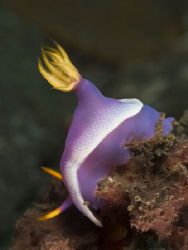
146, 204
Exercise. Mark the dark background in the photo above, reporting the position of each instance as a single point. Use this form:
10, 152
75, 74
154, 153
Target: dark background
129, 48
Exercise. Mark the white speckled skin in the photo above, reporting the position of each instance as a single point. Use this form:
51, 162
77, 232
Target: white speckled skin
94, 119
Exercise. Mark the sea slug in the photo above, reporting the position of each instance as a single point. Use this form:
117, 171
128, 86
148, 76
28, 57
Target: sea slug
100, 128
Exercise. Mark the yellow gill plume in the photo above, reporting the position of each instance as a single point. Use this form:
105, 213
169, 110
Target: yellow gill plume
57, 69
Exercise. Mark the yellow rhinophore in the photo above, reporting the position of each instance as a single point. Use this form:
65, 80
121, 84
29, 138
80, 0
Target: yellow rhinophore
53, 173
58, 210
57, 69
50, 215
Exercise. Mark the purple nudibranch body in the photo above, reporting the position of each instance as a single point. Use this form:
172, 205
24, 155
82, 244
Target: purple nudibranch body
100, 128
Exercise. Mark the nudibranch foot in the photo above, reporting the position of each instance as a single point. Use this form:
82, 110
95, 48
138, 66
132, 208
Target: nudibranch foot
66, 204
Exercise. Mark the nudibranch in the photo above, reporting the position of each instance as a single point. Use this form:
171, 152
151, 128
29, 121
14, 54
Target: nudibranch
100, 128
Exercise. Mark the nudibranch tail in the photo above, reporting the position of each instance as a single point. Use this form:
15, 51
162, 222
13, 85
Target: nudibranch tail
53, 173
77, 198
57, 69
66, 204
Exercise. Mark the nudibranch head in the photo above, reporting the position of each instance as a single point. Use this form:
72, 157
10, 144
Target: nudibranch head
100, 128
